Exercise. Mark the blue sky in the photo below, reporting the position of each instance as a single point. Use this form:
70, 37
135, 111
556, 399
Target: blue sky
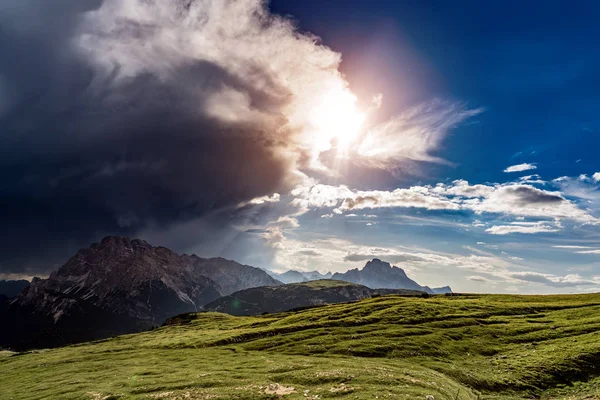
455, 139
531, 70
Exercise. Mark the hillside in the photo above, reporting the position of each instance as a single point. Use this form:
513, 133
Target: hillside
448, 347
270, 299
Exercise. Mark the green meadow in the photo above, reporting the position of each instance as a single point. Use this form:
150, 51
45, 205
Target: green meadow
388, 347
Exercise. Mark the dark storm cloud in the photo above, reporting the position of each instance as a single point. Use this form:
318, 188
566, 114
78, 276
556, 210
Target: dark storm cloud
532, 195
86, 152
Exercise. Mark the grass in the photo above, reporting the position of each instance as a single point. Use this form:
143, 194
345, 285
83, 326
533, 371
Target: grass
448, 347
325, 284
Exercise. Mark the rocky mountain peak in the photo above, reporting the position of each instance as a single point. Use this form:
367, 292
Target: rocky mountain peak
382, 267
121, 285
378, 274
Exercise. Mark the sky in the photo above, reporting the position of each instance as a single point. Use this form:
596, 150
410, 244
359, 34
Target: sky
456, 141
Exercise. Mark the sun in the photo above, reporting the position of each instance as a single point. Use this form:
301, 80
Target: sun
337, 117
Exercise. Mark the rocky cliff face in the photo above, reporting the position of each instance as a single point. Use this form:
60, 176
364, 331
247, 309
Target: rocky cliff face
119, 286
286, 297
380, 274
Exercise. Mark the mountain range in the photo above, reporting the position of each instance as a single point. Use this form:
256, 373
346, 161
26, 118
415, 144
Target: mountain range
380, 274
293, 276
123, 285
118, 286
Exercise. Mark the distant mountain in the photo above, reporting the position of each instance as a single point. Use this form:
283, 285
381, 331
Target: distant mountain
293, 276
289, 276
441, 290
232, 276
316, 275
380, 274
294, 295
119, 286
12, 288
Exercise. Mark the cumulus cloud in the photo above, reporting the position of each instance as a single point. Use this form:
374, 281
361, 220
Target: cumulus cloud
537, 227
514, 199
345, 199
126, 117
553, 280
596, 176
529, 201
520, 167
582, 187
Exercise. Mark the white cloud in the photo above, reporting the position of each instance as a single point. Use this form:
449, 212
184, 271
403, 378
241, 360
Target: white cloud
477, 278
572, 247
596, 176
595, 251
520, 167
526, 200
537, 179
255, 66
412, 135
582, 187
339, 255
274, 198
462, 188
538, 227
513, 199
285, 222
386, 255
345, 199
570, 280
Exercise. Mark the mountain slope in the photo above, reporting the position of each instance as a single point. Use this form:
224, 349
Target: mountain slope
232, 276
464, 347
118, 286
380, 274
267, 299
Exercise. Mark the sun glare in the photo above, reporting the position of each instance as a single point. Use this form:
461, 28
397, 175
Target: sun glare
337, 117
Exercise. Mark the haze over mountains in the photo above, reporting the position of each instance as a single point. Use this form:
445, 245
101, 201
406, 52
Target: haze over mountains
294, 276
123, 285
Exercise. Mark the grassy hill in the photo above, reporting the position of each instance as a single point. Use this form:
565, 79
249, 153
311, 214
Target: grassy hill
389, 347
293, 296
